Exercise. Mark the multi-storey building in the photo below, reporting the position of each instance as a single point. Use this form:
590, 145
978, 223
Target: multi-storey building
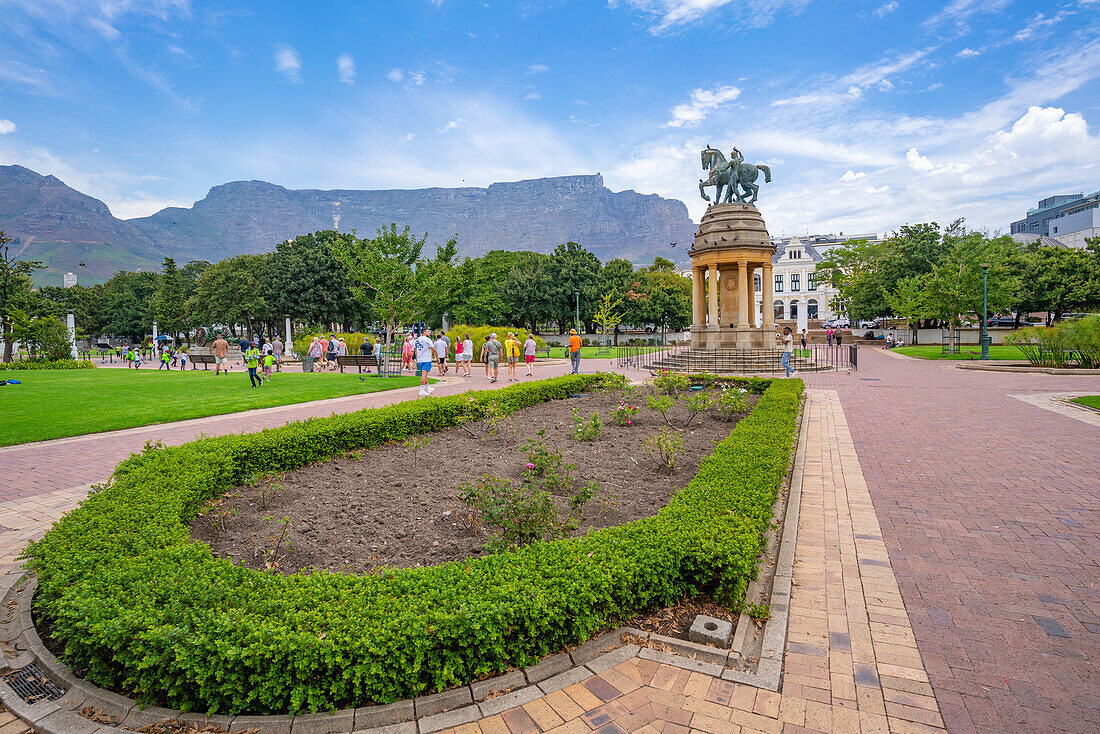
1038, 219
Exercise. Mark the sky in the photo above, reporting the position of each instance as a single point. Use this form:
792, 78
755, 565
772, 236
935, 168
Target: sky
871, 113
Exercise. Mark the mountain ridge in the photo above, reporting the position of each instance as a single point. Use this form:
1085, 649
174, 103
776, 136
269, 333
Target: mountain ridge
65, 227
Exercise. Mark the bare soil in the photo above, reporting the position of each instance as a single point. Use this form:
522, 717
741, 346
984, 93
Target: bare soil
386, 508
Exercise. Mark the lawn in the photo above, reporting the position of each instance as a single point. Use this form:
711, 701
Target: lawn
592, 352
967, 351
1092, 401
57, 403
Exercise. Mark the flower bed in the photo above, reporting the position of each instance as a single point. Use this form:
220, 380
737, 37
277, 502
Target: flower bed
139, 607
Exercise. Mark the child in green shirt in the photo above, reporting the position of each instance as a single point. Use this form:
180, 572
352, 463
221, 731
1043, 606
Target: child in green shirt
252, 359
269, 361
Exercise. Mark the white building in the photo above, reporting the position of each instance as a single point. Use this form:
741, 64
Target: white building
799, 295
1077, 222
69, 280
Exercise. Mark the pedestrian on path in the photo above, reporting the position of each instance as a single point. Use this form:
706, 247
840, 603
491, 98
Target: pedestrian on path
493, 350
165, 358
252, 361
512, 350
575, 351
277, 352
788, 347
467, 353
838, 337
407, 354
802, 338
829, 335
529, 348
221, 355
424, 351
333, 346
183, 359
269, 362
485, 355
441, 347
315, 352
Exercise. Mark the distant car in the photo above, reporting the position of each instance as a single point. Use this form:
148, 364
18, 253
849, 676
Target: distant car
1001, 322
841, 323
872, 324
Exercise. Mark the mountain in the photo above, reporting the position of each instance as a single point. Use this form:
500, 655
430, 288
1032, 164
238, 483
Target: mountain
50, 222
64, 227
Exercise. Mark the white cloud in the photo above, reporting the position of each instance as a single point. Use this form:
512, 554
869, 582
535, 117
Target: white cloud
538, 69
6, 126
886, 8
958, 12
451, 125
288, 62
395, 75
967, 53
532, 95
1037, 25
740, 14
917, 161
345, 68
701, 102
877, 72
851, 175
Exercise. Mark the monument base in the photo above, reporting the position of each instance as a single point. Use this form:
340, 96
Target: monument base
732, 337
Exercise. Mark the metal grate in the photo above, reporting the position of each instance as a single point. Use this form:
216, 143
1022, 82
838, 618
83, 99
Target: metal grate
33, 685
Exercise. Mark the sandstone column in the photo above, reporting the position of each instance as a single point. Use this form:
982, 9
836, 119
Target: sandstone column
742, 293
698, 298
767, 310
713, 305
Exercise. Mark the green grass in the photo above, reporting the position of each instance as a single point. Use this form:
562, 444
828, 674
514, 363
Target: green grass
966, 351
590, 352
1091, 401
58, 403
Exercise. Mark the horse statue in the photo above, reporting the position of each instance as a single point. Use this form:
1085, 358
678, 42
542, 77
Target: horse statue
731, 174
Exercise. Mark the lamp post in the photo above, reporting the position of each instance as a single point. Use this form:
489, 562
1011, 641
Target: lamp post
985, 318
577, 305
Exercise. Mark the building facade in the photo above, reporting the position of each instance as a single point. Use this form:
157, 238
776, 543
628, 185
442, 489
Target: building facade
1075, 224
69, 280
798, 295
1038, 219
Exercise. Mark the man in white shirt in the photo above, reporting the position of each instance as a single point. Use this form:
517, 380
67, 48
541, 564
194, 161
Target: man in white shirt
424, 350
441, 348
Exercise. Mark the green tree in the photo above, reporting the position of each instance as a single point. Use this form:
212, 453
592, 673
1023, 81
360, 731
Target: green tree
167, 304
232, 291
524, 290
308, 283
126, 300
572, 268
954, 288
907, 301
852, 269
389, 275
15, 291
607, 316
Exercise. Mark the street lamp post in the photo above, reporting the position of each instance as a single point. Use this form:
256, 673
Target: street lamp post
577, 305
985, 318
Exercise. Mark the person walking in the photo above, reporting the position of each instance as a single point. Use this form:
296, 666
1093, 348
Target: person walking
485, 355
315, 352
512, 350
493, 350
183, 359
268, 362
839, 338
788, 347
165, 358
366, 348
252, 361
802, 338
574, 351
243, 346
333, 347
221, 355
407, 354
467, 353
441, 347
829, 335
277, 352
529, 348
424, 351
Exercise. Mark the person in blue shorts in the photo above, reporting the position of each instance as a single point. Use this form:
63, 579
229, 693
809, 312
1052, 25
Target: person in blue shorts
424, 350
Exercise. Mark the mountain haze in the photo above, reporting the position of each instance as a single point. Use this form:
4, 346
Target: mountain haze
63, 227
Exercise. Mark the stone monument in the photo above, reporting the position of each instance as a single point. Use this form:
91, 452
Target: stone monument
731, 249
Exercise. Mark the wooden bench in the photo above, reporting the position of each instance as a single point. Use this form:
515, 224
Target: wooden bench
356, 360
203, 359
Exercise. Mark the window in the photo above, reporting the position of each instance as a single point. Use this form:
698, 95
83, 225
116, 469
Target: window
779, 283
794, 254
1035, 225
777, 310
811, 308
811, 281
796, 282
756, 282
794, 310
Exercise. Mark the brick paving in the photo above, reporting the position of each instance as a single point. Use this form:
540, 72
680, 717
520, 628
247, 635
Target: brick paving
946, 566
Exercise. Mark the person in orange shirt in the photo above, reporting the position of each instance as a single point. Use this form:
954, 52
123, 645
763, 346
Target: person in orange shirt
575, 351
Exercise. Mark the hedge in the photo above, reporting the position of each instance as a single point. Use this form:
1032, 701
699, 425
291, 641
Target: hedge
42, 364
139, 607
478, 334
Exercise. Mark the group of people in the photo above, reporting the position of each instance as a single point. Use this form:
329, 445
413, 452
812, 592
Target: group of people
325, 351
424, 352
261, 357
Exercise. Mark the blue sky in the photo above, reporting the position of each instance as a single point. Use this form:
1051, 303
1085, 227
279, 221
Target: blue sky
871, 113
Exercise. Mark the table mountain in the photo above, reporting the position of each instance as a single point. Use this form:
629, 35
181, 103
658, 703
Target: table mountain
251, 216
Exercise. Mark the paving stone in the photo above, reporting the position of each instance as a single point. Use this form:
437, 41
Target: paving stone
507, 682
65, 722
613, 658
448, 719
563, 680
390, 713
548, 666
338, 722
266, 724
443, 701
502, 703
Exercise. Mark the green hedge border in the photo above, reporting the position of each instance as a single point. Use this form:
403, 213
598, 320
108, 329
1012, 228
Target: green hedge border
139, 607
42, 364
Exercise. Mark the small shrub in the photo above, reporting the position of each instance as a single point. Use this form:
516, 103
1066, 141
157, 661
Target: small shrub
43, 364
221, 519
665, 449
272, 547
586, 429
266, 487
615, 384
697, 404
671, 383
624, 414
415, 443
758, 613
521, 514
731, 402
661, 404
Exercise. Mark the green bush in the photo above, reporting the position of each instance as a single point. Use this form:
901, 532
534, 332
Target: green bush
143, 608
43, 364
1060, 345
478, 334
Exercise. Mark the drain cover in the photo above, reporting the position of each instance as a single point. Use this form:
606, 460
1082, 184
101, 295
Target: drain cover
33, 685
871, 379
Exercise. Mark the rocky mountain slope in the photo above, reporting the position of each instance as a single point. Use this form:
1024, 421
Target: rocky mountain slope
64, 227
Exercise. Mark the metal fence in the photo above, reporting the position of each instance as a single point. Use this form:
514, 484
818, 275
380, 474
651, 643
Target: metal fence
814, 357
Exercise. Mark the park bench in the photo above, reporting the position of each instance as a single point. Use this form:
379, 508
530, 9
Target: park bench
204, 359
356, 360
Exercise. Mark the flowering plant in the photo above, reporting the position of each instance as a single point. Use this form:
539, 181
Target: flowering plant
624, 414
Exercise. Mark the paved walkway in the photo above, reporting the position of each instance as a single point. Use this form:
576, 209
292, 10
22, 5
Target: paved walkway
946, 565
